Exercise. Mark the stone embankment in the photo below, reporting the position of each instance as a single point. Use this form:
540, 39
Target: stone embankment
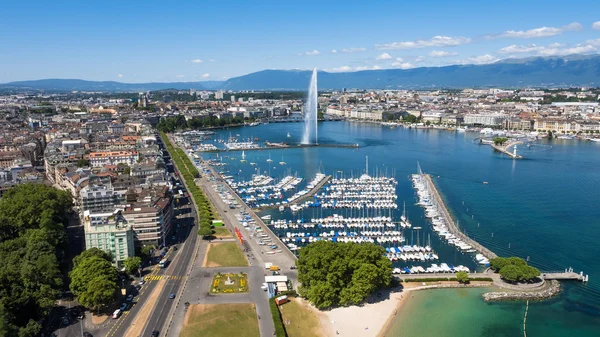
552, 289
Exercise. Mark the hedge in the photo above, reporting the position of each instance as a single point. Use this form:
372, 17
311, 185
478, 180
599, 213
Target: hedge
437, 279
276, 314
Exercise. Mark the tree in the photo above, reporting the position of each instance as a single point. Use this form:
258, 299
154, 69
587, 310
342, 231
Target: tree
132, 264
500, 140
205, 231
146, 251
92, 252
334, 274
410, 118
510, 273
83, 162
462, 277
87, 270
100, 292
514, 269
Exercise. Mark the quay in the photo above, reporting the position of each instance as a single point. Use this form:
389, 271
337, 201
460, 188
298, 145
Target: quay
312, 192
505, 149
272, 146
451, 224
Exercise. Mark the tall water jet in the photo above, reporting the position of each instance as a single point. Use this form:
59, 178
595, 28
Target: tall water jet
310, 135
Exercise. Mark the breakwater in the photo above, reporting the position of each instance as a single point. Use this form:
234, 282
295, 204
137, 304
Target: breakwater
552, 289
450, 222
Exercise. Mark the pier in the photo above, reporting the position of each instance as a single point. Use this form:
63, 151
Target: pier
312, 192
505, 149
274, 146
452, 228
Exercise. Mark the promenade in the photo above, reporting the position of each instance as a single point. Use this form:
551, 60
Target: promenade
450, 222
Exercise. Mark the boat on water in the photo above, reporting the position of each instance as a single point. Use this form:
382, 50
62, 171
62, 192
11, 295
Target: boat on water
461, 129
281, 208
243, 160
282, 162
288, 135
269, 160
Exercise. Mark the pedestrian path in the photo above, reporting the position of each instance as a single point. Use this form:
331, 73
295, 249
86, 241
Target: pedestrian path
165, 277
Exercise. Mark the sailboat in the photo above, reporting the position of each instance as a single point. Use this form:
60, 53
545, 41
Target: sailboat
288, 135
243, 160
404, 218
269, 160
281, 162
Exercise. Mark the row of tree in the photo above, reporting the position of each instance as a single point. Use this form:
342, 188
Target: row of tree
174, 123
514, 269
189, 173
32, 242
500, 140
336, 273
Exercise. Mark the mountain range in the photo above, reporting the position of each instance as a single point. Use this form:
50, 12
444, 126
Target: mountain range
574, 70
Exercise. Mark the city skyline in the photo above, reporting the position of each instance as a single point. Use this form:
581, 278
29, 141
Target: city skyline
142, 42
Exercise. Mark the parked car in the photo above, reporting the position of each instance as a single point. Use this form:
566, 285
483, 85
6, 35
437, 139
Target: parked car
129, 298
154, 333
123, 307
116, 313
87, 334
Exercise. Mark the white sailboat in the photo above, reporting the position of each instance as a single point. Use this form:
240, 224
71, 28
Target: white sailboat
269, 160
288, 135
281, 162
243, 160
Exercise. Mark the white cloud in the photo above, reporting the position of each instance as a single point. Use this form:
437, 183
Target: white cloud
403, 65
211, 60
206, 75
359, 68
353, 50
310, 53
441, 53
384, 56
596, 25
399, 59
341, 69
539, 32
419, 59
120, 75
333, 51
180, 76
197, 61
436, 41
552, 49
483, 59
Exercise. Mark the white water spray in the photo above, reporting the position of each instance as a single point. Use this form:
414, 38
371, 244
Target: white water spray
310, 135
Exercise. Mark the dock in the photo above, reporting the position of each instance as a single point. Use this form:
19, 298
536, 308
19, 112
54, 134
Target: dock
505, 149
312, 192
567, 274
276, 146
450, 222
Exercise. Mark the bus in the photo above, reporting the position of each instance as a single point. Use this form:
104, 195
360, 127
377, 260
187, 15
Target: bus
163, 263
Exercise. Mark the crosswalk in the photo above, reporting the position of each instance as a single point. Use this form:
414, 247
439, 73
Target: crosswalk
165, 277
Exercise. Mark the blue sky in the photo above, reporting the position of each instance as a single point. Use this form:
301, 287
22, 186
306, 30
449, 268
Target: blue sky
133, 41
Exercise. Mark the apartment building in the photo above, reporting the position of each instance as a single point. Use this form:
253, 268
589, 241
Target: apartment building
111, 233
150, 216
100, 198
99, 159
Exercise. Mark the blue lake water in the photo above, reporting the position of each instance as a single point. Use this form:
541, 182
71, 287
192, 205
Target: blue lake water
545, 207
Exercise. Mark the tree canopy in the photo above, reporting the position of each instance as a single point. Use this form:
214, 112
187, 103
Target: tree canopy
32, 218
514, 269
462, 277
93, 279
132, 264
335, 273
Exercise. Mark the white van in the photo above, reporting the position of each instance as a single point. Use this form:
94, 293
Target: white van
116, 313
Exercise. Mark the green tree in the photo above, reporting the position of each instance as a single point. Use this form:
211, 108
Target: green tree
146, 251
100, 292
500, 140
132, 264
334, 274
92, 252
87, 270
83, 163
511, 273
205, 231
462, 277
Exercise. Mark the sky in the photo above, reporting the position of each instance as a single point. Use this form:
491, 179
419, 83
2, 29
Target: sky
167, 41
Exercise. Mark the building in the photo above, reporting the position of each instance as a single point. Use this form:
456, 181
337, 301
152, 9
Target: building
150, 215
99, 159
485, 119
111, 233
100, 198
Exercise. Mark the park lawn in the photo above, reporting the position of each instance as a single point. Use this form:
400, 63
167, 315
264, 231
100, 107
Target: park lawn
221, 232
240, 283
225, 254
300, 320
220, 320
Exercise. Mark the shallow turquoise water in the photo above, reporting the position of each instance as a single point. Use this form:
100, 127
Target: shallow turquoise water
544, 206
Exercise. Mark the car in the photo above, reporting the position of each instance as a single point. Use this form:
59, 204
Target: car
172, 296
174, 248
293, 267
116, 313
129, 298
154, 333
264, 287
87, 334
275, 273
142, 281
123, 307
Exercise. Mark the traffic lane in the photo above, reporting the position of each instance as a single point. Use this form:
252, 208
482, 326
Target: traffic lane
180, 263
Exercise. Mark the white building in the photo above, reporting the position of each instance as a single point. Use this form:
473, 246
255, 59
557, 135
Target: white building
99, 159
484, 119
111, 233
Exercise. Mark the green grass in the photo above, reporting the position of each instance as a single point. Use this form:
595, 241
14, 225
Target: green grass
220, 320
226, 254
221, 232
240, 284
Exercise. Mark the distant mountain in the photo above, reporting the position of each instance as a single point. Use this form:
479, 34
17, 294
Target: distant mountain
539, 71
82, 85
574, 70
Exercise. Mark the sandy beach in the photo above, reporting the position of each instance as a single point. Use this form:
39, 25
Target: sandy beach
373, 319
